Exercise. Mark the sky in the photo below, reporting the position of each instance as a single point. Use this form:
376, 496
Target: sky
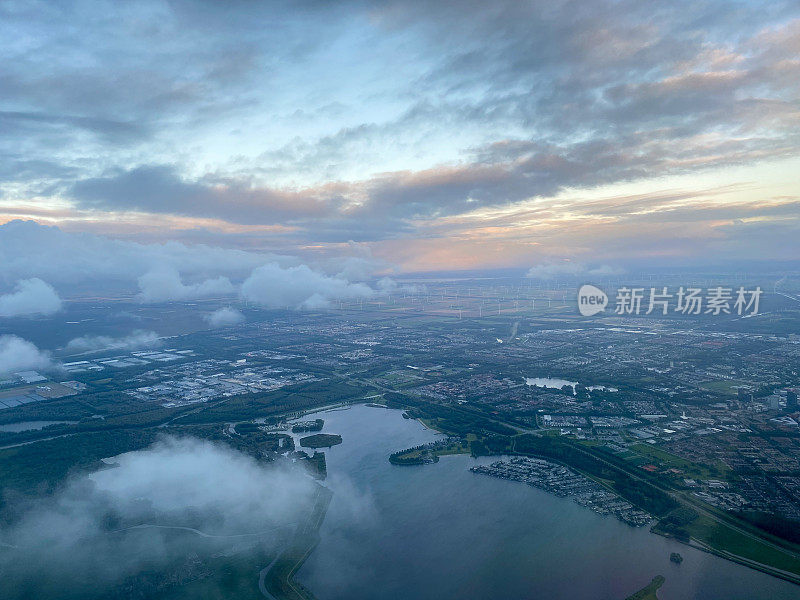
422, 136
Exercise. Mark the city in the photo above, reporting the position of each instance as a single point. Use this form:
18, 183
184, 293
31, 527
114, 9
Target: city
671, 423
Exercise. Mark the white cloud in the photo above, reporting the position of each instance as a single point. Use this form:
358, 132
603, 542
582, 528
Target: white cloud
163, 271
316, 302
136, 340
272, 286
17, 354
28, 249
554, 270
30, 297
357, 264
165, 285
224, 317
607, 270
387, 285
64, 542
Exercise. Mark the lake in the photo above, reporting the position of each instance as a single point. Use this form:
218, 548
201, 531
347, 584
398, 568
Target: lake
557, 384
440, 531
550, 382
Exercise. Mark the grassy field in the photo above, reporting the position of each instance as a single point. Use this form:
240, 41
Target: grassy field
739, 542
430, 424
456, 448
233, 577
720, 536
723, 386
690, 469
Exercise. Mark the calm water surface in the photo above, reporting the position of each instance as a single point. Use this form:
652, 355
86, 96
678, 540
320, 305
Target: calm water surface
550, 382
440, 531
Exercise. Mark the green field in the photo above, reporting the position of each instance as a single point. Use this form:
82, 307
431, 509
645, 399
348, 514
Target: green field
720, 536
689, 468
723, 386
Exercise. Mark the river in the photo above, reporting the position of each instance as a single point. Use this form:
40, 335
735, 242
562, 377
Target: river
440, 531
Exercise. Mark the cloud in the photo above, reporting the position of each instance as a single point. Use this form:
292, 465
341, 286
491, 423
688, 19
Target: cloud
498, 105
272, 286
31, 250
387, 285
136, 340
316, 302
607, 270
552, 270
17, 354
165, 285
356, 263
580, 96
555, 270
154, 188
30, 297
94, 533
224, 317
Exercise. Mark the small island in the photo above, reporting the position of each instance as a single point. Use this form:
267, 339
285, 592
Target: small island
676, 558
320, 440
430, 453
414, 456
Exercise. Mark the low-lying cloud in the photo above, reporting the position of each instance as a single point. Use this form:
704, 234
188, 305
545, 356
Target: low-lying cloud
166, 507
17, 354
30, 297
225, 317
272, 286
165, 285
136, 340
31, 250
555, 270
166, 272
387, 285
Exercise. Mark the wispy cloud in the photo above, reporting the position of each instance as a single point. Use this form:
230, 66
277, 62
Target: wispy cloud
134, 341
